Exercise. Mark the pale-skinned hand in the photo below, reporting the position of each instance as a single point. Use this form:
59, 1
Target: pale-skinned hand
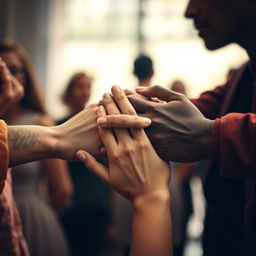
79, 132
134, 167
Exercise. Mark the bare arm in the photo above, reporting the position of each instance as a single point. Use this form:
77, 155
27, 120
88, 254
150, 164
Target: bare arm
30, 142
34, 142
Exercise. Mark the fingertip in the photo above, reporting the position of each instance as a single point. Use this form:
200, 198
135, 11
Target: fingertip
128, 92
101, 121
116, 89
100, 110
147, 121
140, 89
81, 155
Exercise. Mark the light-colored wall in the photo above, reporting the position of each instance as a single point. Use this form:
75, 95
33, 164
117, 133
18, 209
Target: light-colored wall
27, 23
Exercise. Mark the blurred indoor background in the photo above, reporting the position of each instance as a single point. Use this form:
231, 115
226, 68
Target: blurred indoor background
103, 37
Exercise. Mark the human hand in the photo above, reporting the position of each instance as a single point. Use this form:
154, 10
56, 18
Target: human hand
11, 91
179, 132
126, 119
79, 132
135, 170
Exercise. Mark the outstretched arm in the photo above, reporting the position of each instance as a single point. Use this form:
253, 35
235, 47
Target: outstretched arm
136, 172
32, 142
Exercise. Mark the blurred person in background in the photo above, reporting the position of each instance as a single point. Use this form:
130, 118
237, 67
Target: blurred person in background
87, 220
40, 186
143, 70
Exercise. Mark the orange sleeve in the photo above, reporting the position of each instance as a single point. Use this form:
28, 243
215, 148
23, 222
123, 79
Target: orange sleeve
4, 154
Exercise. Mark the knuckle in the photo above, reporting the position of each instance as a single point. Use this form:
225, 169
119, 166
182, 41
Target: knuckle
129, 150
142, 145
122, 119
8, 96
130, 111
115, 157
120, 96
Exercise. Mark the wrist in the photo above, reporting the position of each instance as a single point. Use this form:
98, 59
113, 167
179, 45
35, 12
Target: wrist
151, 200
55, 136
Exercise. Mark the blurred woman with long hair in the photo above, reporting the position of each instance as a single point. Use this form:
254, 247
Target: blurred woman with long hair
40, 224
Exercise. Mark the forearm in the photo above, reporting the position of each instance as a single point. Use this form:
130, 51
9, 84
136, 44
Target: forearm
152, 228
30, 142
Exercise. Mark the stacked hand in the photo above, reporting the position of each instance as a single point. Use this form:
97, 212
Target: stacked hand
179, 132
134, 167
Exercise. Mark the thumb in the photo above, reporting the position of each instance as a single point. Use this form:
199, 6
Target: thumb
141, 105
158, 92
93, 165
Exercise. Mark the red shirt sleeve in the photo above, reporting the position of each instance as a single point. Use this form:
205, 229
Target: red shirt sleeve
210, 102
234, 141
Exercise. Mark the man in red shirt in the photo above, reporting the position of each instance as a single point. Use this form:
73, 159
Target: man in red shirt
224, 131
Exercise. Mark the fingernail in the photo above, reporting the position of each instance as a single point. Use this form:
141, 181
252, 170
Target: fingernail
106, 96
81, 155
141, 88
116, 88
100, 110
147, 121
101, 120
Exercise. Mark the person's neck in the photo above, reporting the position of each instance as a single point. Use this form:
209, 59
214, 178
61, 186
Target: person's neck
145, 83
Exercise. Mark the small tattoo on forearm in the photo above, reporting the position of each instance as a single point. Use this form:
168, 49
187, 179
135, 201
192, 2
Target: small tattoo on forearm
23, 138
57, 150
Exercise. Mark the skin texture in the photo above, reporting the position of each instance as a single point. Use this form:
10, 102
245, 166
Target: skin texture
136, 172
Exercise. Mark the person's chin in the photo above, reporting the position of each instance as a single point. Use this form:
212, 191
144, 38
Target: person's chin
213, 45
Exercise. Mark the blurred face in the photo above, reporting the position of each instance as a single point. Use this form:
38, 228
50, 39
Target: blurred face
220, 22
14, 64
81, 91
